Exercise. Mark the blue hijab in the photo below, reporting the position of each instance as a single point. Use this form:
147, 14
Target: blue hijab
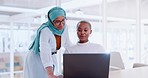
52, 15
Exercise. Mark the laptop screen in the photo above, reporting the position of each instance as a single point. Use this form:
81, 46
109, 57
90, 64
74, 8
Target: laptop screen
86, 65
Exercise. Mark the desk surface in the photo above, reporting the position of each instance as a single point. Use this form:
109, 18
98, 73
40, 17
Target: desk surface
140, 72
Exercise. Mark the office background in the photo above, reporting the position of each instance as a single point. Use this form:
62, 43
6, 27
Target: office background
118, 25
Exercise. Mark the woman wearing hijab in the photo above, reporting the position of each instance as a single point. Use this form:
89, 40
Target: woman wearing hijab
41, 61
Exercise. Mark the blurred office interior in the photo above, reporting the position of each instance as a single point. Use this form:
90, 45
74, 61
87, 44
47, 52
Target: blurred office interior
118, 25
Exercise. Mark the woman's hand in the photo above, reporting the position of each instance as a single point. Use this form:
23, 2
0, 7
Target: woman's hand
52, 76
50, 72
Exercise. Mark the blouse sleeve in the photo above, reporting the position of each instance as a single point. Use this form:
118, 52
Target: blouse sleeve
67, 41
45, 49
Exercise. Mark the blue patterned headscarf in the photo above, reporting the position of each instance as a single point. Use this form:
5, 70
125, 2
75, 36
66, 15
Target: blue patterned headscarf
52, 15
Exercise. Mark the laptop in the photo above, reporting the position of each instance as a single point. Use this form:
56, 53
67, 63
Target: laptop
86, 65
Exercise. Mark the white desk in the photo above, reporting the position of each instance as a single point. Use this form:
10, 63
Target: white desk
141, 72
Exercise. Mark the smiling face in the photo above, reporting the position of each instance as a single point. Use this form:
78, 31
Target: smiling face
59, 22
83, 31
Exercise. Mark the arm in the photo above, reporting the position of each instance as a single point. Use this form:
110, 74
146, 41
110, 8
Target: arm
50, 73
67, 42
45, 52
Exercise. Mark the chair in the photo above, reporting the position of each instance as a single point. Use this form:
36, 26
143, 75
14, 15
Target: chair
116, 62
135, 65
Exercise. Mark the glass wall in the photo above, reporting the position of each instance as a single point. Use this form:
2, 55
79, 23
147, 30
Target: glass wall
14, 41
22, 37
5, 51
144, 24
122, 28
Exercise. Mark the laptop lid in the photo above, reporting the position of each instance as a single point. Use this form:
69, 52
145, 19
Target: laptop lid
86, 65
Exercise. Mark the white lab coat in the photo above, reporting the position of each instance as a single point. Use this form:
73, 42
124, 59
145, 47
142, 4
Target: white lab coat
35, 64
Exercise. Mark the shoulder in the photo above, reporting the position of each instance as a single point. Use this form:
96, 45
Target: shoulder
94, 44
45, 30
71, 48
98, 46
